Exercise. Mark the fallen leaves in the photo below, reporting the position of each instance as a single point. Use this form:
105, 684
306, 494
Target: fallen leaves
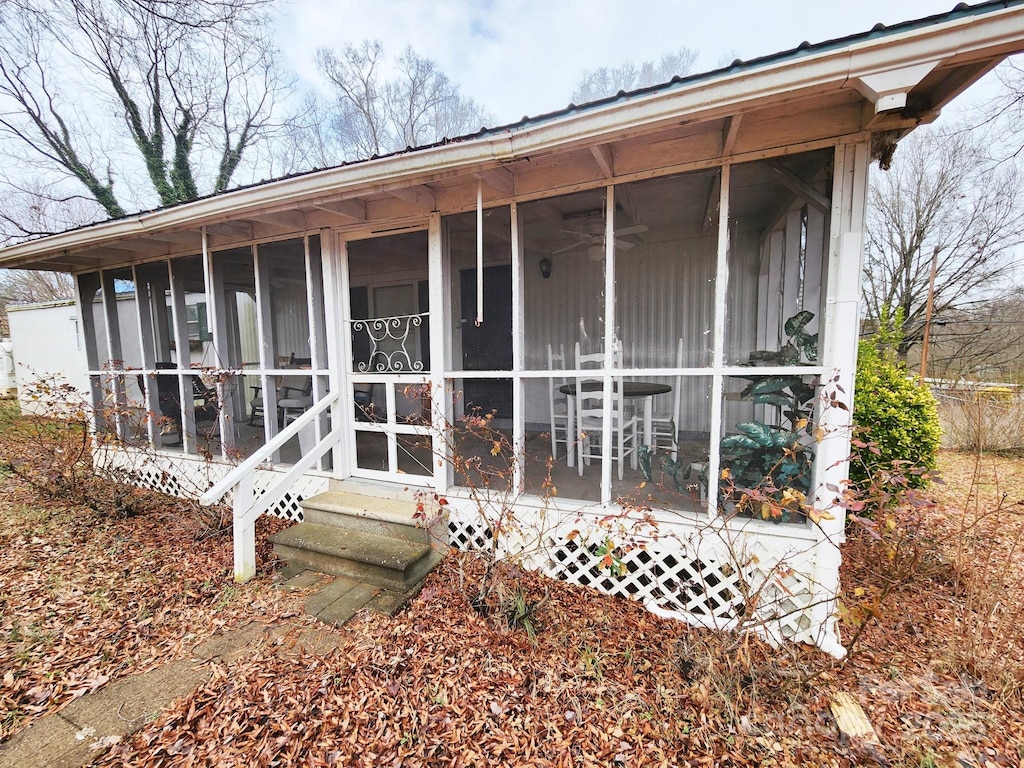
86, 600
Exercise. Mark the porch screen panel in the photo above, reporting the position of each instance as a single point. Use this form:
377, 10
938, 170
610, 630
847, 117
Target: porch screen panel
767, 445
181, 340
486, 346
563, 275
563, 305
236, 274
288, 336
665, 246
779, 213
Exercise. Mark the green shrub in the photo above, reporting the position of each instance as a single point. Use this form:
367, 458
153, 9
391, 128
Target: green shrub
897, 420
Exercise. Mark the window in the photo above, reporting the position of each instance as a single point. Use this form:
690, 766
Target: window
195, 320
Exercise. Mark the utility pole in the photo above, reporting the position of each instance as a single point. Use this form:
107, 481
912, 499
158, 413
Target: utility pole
928, 318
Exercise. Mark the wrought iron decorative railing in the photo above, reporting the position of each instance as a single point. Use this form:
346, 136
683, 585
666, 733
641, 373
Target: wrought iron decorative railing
389, 339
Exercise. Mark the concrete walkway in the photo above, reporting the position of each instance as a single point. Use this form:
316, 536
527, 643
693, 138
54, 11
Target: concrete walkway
82, 731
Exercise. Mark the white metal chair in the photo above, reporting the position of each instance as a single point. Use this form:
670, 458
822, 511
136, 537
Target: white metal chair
666, 424
590, 419
558, 402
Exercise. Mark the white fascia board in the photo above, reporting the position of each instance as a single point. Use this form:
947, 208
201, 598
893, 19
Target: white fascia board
827, 70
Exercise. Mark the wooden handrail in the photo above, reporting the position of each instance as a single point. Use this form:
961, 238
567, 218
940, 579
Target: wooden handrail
246, 506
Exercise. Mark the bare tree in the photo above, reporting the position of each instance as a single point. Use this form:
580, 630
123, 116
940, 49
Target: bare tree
375, 115
35, 207
607, 81
103, 91
942, 200
985, 342
19, 286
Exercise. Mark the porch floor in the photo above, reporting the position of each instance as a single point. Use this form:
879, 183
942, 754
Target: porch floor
415, 458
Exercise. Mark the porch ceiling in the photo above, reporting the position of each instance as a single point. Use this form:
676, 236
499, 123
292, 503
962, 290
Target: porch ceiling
760, 111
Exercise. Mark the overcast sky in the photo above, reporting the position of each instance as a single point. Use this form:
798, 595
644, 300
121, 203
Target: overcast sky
524, 57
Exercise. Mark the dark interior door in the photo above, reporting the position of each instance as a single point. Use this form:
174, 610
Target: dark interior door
488, 347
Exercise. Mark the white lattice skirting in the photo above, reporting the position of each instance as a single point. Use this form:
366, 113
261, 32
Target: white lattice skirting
712, 575
189, 476
779, 585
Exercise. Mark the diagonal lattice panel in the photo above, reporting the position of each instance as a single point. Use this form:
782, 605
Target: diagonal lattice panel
703, 574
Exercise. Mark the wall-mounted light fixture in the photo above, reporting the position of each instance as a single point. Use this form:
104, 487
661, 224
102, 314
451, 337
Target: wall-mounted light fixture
545, 267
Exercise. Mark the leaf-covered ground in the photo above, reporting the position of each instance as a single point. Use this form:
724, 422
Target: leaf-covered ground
84, 599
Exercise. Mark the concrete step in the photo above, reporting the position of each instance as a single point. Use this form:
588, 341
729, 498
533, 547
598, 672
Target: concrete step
380, 560
382, 516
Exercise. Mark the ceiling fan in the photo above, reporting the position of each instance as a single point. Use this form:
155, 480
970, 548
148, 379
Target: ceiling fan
589, 231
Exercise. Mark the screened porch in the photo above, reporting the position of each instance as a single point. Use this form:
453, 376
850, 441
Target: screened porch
587, 329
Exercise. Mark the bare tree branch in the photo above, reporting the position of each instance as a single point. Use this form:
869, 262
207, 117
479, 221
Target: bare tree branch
373, 116
942, 198
607, 81
195, 84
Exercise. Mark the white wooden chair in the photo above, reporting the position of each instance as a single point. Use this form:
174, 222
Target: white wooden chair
590, 419
558, 402
666, 424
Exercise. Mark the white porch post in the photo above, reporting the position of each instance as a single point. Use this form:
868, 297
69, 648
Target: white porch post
338, 309
216, 312
317, 347
243, 531
518, 353
839, 353
610, 344
144, 316
441, 322
85, 295
115, 361
264, 326
718, 351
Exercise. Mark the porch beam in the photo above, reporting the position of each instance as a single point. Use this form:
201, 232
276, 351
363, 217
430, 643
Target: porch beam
921, 104
418, 194
295, 220
800, 187
605, 161
500, 180
147, 245
232, 230
353, 210
730, 130
184, 237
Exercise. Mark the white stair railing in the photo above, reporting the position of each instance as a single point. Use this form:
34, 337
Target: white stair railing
246, 505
